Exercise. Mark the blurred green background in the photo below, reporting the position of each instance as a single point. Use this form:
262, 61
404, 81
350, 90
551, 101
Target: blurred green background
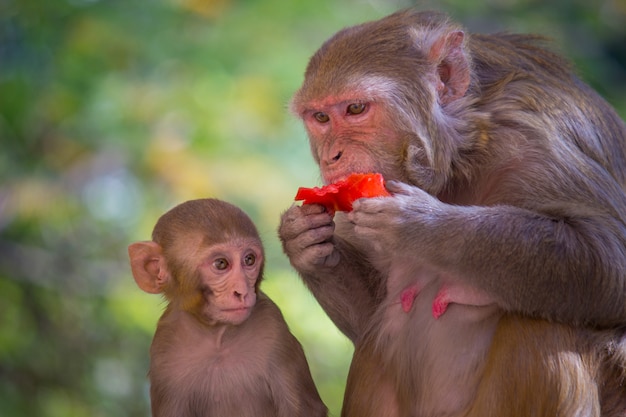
112, 111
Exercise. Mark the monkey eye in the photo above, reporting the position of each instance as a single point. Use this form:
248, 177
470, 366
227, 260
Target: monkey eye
220, 264
321, 117
249, 260
355, 108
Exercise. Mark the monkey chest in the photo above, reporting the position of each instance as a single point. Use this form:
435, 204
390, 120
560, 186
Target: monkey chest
439, 359
225, 382
240, 389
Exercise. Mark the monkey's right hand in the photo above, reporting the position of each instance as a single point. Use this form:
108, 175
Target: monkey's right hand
306, 233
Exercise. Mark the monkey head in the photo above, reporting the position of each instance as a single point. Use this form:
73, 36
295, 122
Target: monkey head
206, 257
378, 96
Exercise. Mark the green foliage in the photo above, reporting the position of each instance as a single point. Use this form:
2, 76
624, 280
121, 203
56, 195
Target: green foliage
113, 111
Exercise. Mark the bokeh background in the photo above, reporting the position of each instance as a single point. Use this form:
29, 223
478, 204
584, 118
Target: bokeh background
113, 111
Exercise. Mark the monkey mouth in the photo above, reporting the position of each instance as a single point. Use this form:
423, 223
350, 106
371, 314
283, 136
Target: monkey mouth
242, 311
335, 178
237, 315
237, 309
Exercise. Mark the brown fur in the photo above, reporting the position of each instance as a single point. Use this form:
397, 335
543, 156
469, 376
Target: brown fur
508, 176
538, 368
206, 360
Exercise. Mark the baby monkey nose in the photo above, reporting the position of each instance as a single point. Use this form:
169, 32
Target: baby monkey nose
241, 296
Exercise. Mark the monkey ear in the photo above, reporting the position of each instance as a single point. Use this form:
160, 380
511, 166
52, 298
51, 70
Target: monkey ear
453, 69
148, 266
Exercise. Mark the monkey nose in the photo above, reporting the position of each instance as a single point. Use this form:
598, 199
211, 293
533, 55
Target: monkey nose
335, 158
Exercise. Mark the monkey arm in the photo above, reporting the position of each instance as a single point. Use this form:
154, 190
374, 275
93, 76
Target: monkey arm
291, 385
569, 269
565, 264
348, 293
292, 388
338, 276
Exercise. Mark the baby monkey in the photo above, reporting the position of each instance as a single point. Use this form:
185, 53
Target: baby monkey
222, 347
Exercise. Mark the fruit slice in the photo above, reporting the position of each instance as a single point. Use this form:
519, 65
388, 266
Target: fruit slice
340, 195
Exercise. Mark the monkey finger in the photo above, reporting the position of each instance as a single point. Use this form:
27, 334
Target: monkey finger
366, 219
365, 232
373, 232
317, 235
375, 239
295, 223
307, 239
314, 221
309, 209
295, 212
381, 214
398, 187
370, 205
325, 254
322, 254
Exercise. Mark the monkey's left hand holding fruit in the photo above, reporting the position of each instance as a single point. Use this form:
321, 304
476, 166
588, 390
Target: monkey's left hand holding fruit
222, 347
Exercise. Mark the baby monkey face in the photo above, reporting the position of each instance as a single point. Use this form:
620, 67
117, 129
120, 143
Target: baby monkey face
228, 273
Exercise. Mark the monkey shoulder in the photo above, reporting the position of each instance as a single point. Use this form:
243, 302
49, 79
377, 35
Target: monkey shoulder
268, 316
266, 323
524, 69
291, 382
285, 355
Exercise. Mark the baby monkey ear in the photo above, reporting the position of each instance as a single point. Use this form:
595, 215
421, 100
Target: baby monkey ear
148, 266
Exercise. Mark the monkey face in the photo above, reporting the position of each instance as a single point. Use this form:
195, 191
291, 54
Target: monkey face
228, 273
373, 109
360, 127
349, 134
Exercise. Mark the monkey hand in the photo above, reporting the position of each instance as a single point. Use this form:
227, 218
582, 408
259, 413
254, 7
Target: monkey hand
399, 223
306, 234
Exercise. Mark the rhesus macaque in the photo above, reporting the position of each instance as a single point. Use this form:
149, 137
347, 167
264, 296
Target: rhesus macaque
493, 281
222, 347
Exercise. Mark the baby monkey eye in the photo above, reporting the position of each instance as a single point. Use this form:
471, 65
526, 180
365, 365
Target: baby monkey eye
249, 260
220, 264
356, 108
321, 117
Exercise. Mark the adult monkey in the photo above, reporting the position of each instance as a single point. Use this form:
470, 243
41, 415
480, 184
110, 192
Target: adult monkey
508, 175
